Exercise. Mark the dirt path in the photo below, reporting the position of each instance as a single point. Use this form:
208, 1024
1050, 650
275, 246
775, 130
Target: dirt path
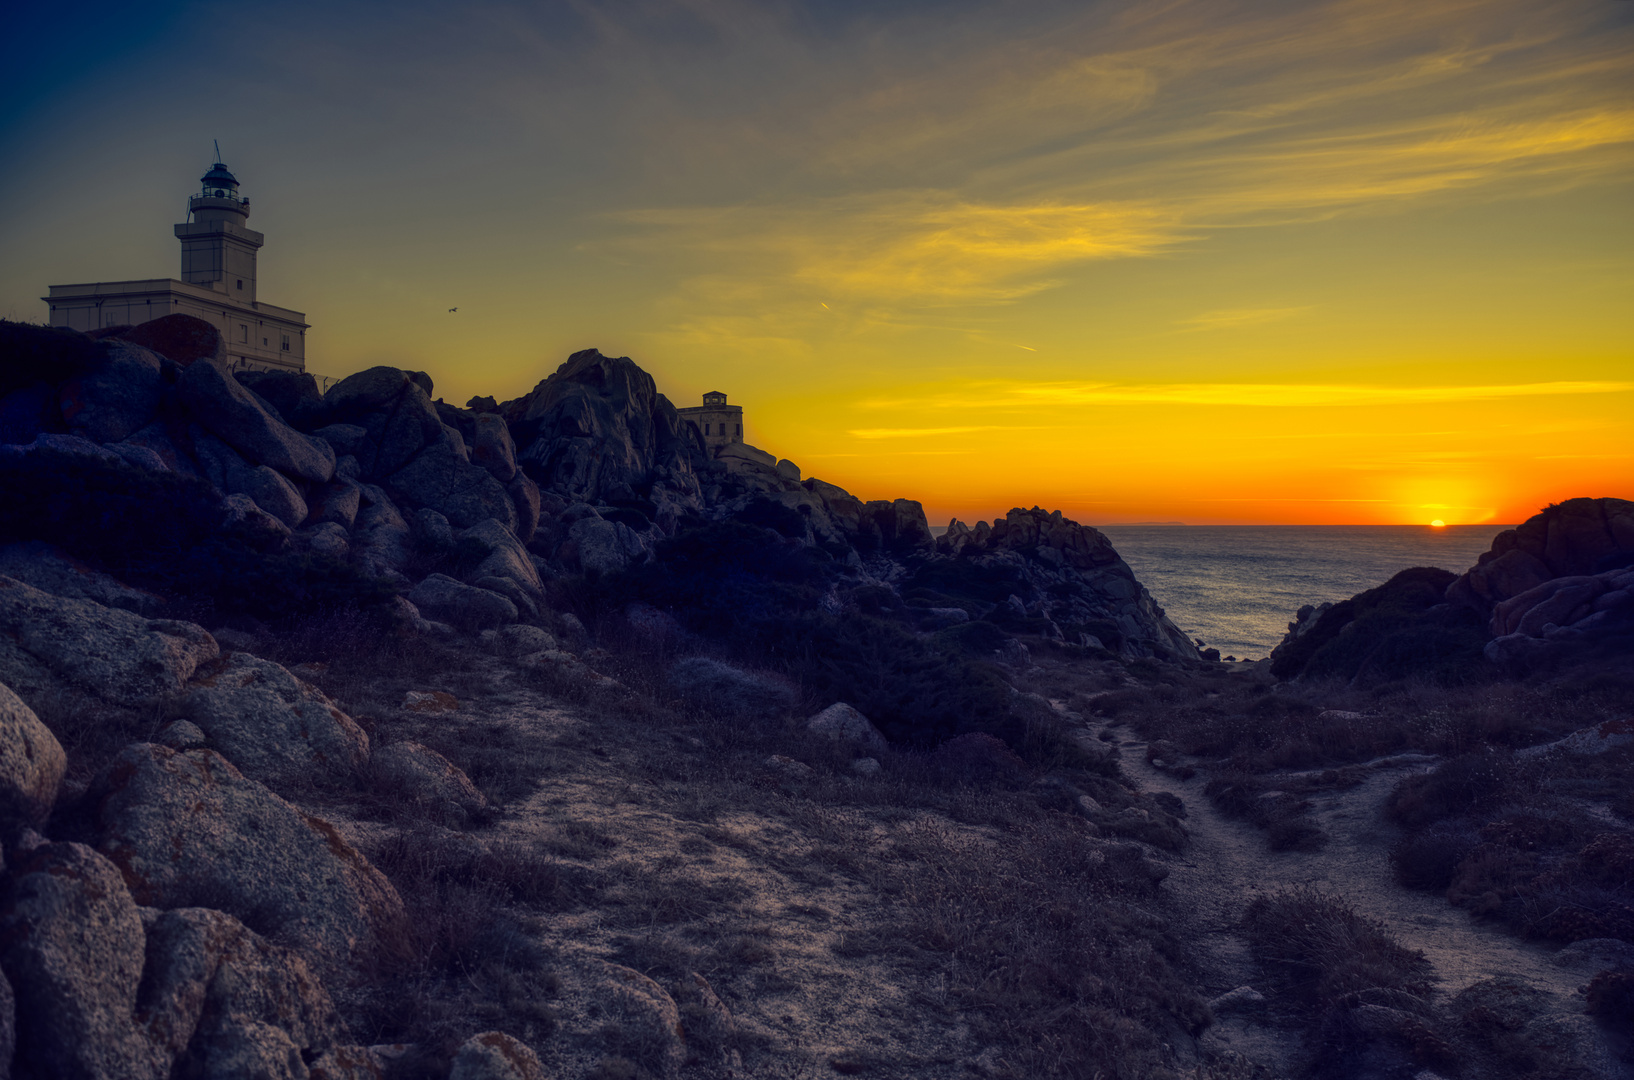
1229, 862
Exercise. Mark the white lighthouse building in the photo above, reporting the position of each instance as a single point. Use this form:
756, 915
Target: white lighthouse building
218, 284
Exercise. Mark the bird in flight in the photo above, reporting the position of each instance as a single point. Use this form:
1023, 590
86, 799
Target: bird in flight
453, 309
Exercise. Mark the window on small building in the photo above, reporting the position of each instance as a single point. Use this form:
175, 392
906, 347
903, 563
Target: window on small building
240, 283
740, 429
285, 340
706, 429
244, 332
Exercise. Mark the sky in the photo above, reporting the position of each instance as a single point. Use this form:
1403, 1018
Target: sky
1211, 261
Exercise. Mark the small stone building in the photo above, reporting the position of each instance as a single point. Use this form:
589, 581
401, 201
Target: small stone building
218, 285
720, 424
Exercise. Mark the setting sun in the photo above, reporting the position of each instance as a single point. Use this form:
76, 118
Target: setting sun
1438, 524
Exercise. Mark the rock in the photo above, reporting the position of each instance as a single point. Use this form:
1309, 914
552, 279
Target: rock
32, 764
598, 424
180, 339
1596, 954
492, 447
119, 656
440, 477
788, 470
272, 492
382, 543
115, 398
292, 394
226, 1003
721, 689
1578, 537
427, 778
52, 570
842, 723
600, 546
359, 1062
432, 532
505, 558
463, 605
646, 1015
72, 943
186, 828
71, 445
1599, 739
788, 768
181, 735
866, 766
328, 538
348, 440
218, 402
493, 1055
518, 640
242, 516
337, 501
568, 668
8, 1027
430, 701
267, 722
525, 498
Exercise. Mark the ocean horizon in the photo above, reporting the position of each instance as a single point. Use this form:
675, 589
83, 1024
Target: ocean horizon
1238, 586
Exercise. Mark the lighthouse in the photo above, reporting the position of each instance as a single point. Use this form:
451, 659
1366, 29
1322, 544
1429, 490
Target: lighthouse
217, 284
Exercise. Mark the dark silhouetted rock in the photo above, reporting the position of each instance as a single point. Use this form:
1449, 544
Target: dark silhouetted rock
267, 722
47, 641
723, 690
181, 339
525, 498
186, 828
338, 501
598, 424
116, 397
1576, 538
28, 411
31, 766
217, 401
505, 558
48, 568
293, 393
441, 478
492, 447
395, 413
977, 758
382, 542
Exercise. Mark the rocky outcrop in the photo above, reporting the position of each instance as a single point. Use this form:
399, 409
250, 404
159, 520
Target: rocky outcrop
1576, 538
117, 397
48, 641
267, 722
465, 606
722, 690
221, 404
494, 1055
186, 828
31, 767
843, 724
427, 779
598, 430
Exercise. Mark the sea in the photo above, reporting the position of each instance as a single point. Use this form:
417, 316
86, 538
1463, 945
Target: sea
1239, 586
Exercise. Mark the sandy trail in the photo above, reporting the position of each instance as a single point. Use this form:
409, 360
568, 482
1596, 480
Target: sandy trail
1229, 862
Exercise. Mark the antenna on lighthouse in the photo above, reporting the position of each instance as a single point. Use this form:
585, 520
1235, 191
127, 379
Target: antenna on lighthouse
218, 150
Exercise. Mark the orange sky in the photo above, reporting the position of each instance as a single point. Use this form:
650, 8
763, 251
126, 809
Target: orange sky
1364, 261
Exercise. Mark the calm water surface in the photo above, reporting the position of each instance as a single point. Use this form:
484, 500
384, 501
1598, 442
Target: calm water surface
1237, 586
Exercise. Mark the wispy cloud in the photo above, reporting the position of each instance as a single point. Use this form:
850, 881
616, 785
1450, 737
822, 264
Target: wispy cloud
913, 433
1232, 318
989, 394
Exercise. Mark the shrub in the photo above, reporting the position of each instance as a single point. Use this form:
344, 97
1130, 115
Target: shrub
1467, 784
1319, 949
1429, 860
1610, 997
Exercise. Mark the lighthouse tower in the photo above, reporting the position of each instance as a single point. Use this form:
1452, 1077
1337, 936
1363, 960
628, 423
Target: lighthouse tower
218, 251
218, 285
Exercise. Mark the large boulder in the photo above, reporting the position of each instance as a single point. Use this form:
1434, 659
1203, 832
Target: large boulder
267, 722
382, 542
843, 724
395, 413
181, 339
465, 606
71, 942
115, 398
49, 568
219, 402
441, 477
31, 766
494, 1055
227, 1003
294, 394
492, 447
186, 828
598, 429
47, 641
506, 557
525, 498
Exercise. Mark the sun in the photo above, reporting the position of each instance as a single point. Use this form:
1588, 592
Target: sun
1438, 524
